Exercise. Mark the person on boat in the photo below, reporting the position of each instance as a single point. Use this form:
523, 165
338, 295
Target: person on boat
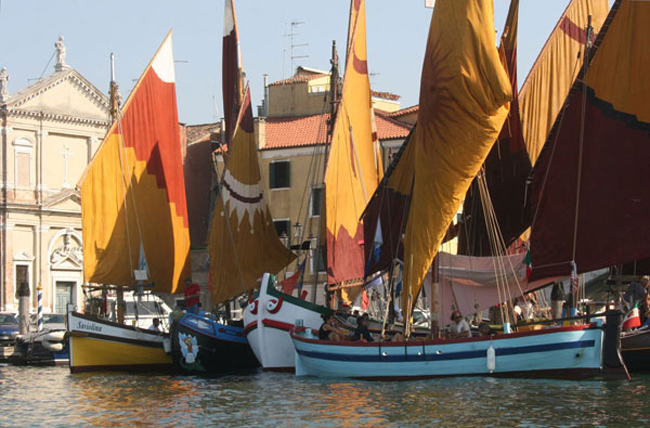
558, 297
155, 326
192, 299
458, 327
362, 332
635, 292
485, 330
330, 330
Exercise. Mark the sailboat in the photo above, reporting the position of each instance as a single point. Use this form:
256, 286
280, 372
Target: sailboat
589, 187
134, 220
353, 172
464, 101
243, 243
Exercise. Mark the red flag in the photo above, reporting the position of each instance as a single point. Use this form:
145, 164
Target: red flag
291, 283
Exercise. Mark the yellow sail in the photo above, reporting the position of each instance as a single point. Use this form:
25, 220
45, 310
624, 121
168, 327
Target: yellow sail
557, 66
354, 167
464, 101
133, 206
243, 243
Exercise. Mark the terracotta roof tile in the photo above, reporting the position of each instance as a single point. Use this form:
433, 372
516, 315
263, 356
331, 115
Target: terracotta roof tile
404, 111
297, 79
389, 128
282, 132
202, 132
296, 131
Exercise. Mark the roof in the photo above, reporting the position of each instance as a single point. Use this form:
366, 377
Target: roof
385, 95
404, 111
205, 131
301, 131
296, 131
298, 79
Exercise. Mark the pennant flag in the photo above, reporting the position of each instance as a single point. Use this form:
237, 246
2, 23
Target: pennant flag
243, 243
133, 191
354, 168
632, 318
231, 70
293, 282
464, 101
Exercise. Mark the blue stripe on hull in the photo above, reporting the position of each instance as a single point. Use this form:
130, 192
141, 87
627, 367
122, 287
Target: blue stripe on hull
464, 355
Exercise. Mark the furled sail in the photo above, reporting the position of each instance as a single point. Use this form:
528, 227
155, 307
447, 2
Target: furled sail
243, 243
506, 170
354, 168
387, 211
232, 79
590, 184
133, 192
464, 101
550, 78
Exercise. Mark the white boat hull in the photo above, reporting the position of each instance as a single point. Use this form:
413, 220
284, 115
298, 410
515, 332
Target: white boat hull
267, 322
571, 352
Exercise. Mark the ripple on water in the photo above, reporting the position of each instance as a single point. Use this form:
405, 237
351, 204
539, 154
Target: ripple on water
54, 397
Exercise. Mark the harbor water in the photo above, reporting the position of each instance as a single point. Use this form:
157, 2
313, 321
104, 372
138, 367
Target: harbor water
51, 396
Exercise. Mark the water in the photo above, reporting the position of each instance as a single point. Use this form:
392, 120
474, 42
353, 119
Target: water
51, 396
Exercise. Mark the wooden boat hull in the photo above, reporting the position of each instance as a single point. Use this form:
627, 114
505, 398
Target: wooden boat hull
48, 348
203, 345
99, 345
565, 352
635, 348
269, 318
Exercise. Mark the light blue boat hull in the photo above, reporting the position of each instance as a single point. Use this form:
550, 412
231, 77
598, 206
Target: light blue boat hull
564, 352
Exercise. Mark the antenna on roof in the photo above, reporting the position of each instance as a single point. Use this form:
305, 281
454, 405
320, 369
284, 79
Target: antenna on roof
293, 45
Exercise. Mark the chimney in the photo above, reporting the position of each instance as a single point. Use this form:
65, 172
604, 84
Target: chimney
265, 103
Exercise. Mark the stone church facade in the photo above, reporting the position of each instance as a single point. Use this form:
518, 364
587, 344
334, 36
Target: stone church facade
49, 132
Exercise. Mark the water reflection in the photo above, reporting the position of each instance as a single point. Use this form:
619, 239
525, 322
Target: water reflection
54, 397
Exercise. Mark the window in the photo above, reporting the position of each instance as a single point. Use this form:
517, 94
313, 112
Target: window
23, 163
315, 201
318, 257
282, 228
280, 175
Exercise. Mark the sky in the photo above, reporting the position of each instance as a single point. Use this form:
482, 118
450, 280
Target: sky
133, 29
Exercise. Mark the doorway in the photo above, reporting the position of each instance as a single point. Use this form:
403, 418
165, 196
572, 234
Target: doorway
63, 296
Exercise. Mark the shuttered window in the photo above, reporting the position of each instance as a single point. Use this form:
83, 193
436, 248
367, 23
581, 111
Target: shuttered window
280, 175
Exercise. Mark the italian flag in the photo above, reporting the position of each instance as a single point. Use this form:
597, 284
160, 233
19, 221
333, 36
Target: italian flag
632, 318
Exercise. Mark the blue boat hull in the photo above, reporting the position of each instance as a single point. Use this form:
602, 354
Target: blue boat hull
203, 345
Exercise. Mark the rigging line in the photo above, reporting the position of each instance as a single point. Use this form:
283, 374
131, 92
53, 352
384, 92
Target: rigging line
497, 243
47, 65
581, 142
556, 136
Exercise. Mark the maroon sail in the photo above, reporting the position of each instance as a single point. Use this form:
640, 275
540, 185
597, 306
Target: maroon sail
591, 186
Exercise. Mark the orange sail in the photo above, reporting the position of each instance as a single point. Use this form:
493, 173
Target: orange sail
243, 243
133, 206
550, 78
354, 168
464, 101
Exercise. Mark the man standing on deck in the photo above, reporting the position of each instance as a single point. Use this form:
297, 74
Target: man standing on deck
192, 291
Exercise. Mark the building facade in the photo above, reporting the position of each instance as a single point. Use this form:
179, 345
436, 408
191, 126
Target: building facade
49, 133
